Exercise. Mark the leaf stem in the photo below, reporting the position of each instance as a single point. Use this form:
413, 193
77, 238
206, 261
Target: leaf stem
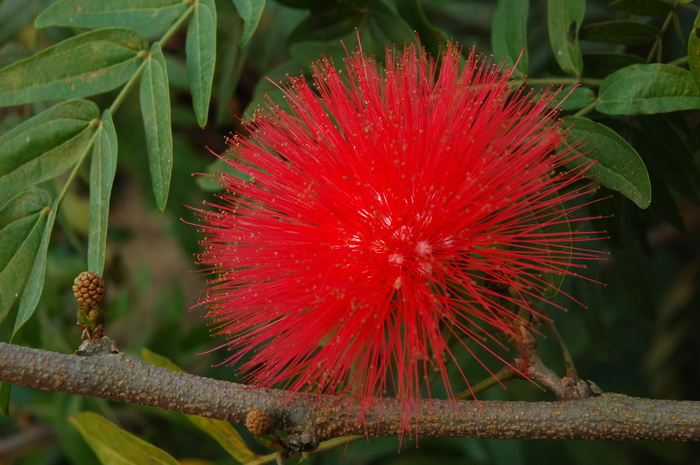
176, 25
659, 38
568, 360
76, 168
587, 109
163, 40
501, 375
565, 81
129, 84
679, 61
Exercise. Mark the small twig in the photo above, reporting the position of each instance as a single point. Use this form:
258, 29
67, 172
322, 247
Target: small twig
566, 388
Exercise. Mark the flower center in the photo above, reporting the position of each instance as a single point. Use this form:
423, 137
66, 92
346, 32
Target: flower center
407, 257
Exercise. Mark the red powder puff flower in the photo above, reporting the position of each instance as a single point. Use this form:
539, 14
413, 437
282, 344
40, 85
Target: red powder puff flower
388, 212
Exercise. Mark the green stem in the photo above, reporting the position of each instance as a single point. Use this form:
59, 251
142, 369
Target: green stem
176, 25
689, 6
127, 87
568, 360
552, 81
501, 375
564, 80
657, 42
76, 168
591, 82
679, 61
163, 40
587, 109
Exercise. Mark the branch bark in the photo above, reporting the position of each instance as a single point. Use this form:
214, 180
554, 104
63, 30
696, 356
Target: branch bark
314, 418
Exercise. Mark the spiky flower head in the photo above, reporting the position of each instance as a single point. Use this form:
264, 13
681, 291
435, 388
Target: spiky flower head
384, 213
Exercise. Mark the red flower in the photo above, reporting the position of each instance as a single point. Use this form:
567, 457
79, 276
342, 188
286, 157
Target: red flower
385, 213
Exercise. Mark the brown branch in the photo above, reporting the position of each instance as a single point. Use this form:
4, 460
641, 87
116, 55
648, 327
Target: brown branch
531, 365
314, 418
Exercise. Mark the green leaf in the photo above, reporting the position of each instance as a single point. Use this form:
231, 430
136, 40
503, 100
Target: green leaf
431, 37
642, 7
116, 446
509, 33
306, 53
564, 18
90, 63
265, 90
647, 89
618, 166
226, 435
250, 11
45, 145
159, 360
387, 27
576, 97
103, 166
221, 431
326, 24
110, 13
155, 107
694, 51
600, 64
35, 284
22, 223
201, 57
231, 65
210, 182
620, 32
73, 445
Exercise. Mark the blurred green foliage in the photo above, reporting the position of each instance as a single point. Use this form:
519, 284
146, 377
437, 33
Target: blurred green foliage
107, 107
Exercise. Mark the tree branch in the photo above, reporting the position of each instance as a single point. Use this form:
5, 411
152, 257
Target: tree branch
313, 418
